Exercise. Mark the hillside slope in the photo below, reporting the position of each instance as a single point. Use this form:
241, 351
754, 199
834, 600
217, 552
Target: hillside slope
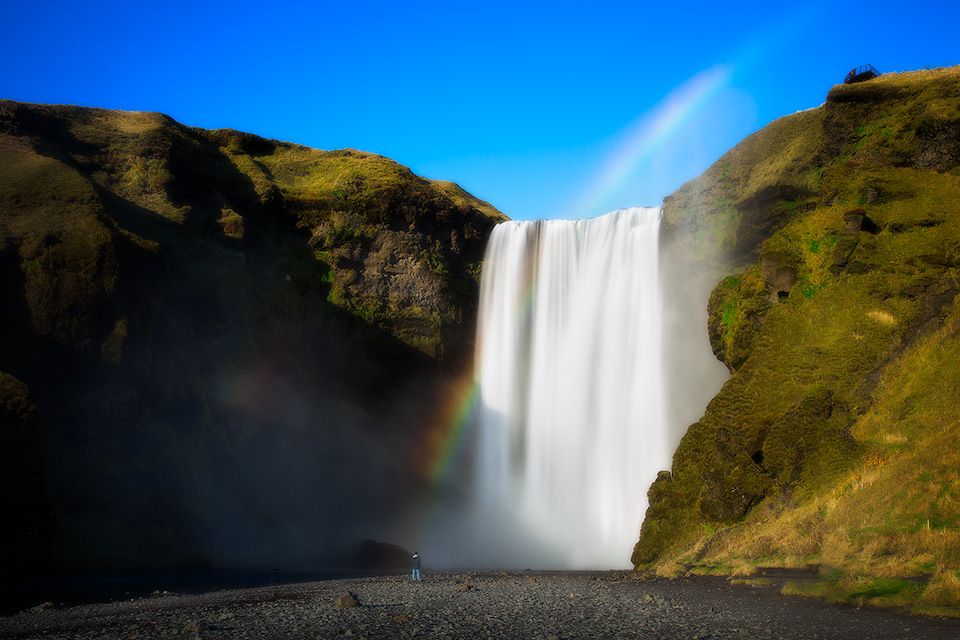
204, 330
834, 442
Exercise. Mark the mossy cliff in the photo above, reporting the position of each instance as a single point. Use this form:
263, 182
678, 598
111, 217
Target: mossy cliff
173, 296
834, 442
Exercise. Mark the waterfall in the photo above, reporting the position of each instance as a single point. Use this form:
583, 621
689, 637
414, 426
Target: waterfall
570, 423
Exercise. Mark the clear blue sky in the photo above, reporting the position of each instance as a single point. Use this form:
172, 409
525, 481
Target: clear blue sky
545, 110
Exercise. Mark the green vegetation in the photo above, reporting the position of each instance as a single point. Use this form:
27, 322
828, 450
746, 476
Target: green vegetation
861, 590
379, 230
834, 441
377, 226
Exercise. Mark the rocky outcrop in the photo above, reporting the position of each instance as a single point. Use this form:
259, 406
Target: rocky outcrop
212, 324
833, 234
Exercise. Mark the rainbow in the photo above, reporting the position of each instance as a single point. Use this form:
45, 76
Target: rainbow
445, 434
449, 423
648, 133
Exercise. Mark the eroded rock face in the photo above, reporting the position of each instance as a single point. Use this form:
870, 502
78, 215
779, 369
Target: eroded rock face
211, 324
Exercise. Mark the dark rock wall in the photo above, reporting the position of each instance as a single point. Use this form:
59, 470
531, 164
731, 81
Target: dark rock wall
232, 344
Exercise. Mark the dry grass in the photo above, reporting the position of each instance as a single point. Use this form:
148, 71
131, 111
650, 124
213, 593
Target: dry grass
463, 198
943, 590
883, 317
669, 570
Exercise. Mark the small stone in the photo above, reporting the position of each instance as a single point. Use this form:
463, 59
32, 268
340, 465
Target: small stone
348, 600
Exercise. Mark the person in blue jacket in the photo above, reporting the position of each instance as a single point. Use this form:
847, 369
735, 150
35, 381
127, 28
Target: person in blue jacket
415, 565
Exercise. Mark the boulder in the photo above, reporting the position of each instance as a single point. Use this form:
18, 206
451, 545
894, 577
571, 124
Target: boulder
858, 220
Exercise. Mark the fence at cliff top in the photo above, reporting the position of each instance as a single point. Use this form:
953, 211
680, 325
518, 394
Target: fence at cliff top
861, 74
571, 410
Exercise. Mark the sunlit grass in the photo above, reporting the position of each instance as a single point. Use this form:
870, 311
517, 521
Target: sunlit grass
834, 443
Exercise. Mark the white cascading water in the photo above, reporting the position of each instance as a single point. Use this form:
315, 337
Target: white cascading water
571, 410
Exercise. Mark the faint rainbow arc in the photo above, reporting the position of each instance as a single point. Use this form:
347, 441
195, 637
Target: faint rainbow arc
449, 424
648, 133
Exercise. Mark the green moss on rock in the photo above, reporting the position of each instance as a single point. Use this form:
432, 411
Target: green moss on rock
841, 227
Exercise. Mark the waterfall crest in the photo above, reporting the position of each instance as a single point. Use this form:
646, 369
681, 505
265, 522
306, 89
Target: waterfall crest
571, 425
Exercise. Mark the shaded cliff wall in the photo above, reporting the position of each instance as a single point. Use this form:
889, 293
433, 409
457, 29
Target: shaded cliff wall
220, 349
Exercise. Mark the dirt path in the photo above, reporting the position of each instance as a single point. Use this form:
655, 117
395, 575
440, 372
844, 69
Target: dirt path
518, 605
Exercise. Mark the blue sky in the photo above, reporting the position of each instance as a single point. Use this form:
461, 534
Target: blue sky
544, 109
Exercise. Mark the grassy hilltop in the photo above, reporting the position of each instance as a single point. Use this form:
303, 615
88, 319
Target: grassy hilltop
172, 296
835, 441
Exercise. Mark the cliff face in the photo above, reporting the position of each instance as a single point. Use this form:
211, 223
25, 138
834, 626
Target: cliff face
834, 440
205, 331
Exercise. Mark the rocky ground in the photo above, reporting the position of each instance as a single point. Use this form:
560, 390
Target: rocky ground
478, 605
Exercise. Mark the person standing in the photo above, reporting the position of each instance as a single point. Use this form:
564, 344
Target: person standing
415, 565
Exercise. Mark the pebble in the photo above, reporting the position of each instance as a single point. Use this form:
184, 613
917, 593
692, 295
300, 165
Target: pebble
546, 605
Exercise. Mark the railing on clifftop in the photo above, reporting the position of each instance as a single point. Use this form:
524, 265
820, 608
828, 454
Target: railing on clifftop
861, 74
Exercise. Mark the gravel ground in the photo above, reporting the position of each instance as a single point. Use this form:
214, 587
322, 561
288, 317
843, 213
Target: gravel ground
479, 605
